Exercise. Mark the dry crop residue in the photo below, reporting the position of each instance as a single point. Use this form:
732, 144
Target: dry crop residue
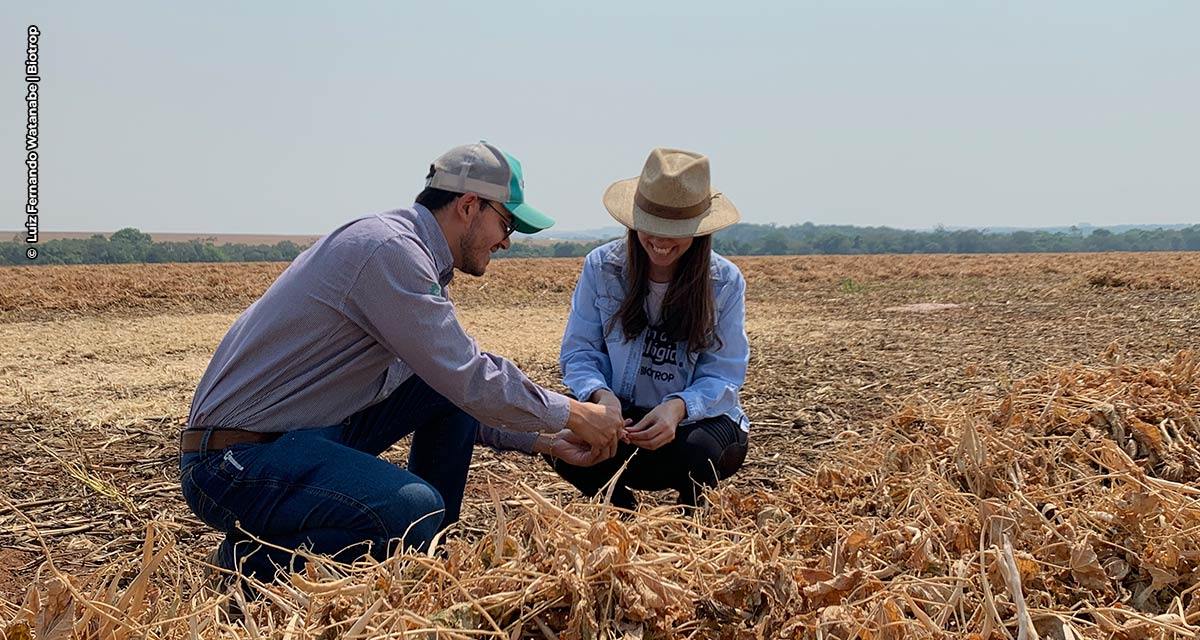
909, 474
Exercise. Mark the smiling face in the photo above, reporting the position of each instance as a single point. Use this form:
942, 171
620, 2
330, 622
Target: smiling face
488, 233
664, 254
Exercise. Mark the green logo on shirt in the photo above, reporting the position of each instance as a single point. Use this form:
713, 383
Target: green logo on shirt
435, 290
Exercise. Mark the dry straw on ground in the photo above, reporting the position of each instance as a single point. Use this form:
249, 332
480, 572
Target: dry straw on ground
1064, 508
98, 366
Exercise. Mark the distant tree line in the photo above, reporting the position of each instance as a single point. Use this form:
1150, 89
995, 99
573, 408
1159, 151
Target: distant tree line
808, 238
811, 239
546, 250
130, 245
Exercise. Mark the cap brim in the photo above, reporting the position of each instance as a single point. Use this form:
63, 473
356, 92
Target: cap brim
526, 219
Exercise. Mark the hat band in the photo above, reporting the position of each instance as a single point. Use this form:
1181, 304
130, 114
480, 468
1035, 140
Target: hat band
669, 212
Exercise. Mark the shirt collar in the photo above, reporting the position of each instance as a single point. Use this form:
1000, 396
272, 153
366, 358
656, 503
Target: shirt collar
431, 232
615, 256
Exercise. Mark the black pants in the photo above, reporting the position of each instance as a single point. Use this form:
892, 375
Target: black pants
701, 454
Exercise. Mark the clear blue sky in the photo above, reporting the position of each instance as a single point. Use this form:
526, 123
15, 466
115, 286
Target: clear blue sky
292, 117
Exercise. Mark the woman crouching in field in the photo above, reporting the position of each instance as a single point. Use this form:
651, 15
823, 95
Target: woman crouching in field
657, 328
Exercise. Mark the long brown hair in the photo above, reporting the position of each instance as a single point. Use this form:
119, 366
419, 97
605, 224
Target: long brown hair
688, 308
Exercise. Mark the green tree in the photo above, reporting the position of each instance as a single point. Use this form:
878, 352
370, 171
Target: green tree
773, 244
1191, 238
566, 249
1100, 240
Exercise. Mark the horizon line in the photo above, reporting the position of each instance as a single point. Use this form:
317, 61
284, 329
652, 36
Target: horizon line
551, 231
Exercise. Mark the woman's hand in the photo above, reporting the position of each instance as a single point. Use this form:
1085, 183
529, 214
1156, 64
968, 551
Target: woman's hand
658, 427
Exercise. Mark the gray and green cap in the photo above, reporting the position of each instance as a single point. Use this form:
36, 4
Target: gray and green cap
483, 169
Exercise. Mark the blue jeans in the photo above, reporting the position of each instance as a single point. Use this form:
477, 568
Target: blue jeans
327, 490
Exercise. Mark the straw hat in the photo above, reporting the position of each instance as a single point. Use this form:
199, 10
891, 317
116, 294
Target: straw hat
673, 197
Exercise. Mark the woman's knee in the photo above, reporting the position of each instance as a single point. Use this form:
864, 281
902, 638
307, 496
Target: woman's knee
707, 461
731, 459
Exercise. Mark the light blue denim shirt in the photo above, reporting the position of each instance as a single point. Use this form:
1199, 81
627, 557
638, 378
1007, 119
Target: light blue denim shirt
591, 360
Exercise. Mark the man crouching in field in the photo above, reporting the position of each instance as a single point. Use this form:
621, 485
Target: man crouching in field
355, 346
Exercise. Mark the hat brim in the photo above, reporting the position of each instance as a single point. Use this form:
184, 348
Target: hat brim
526, 219
618, 199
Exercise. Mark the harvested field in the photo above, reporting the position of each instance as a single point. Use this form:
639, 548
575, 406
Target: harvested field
1024, 460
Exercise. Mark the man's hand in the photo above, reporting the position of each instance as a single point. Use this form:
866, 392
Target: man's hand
598, 425
568, 447
658, 427
610, 399
606, 398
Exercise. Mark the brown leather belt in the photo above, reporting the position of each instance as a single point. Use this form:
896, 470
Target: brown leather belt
189, 441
